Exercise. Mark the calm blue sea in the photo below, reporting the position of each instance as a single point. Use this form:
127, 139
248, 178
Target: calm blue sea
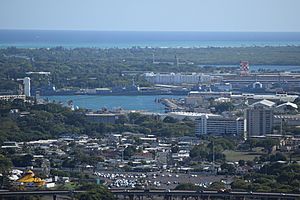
121, 39
146, 103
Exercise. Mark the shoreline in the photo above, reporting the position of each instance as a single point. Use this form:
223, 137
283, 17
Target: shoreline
145, 46
109, 95
147, 103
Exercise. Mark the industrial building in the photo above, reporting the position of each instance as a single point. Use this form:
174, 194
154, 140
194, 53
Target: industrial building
267, 80
197, 97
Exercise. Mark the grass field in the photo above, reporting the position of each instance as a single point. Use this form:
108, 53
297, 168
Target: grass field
242, 155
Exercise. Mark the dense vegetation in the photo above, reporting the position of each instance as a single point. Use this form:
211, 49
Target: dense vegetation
52, 120
91, 67
274, 177
216, 146
95, 192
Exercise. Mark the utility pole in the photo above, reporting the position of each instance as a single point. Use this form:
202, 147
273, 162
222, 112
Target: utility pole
122, 159
213, 155
281, 126
153, 58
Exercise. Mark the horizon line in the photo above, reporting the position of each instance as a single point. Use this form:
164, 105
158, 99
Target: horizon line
190, 31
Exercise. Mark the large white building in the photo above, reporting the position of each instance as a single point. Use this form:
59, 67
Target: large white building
26, 82
26, 86
219, 125
259, 118
177, 78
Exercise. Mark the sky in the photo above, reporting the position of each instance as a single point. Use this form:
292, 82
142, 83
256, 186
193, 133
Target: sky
152, 15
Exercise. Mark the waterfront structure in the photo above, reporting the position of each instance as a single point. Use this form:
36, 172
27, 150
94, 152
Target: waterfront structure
94, 91
198, 97
177, 78
286, 80
219, 125
209, 94
273, 97
259, 118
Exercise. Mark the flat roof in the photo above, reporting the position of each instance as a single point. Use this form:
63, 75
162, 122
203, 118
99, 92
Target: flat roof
192, 114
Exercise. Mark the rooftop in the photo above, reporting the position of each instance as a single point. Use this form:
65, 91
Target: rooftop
264, 102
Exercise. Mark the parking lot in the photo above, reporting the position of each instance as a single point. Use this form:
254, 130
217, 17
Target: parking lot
163, 180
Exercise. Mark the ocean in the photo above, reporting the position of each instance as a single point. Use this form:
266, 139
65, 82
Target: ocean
127, 39
145, 103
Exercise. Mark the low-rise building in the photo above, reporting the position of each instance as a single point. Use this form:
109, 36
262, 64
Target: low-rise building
286, 120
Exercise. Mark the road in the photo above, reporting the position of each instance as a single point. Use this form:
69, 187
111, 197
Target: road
184, 193
175, 193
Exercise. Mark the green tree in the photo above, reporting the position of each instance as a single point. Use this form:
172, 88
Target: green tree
5, 164
221, 107
242, 163
169, 119
129, 151
252, 143
95, 193
199, 152
5, 167
228, 168
268, 144
217, 186
122, 119
238, 184
22, 161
